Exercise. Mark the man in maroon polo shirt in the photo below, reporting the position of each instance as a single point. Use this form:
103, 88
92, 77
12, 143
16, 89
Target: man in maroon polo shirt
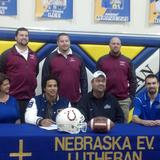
20, 64
121, 79
68, 68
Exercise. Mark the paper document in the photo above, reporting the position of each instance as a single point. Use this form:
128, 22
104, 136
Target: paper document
51, 127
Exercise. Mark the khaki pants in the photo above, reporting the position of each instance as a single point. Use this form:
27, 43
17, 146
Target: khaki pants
125, 104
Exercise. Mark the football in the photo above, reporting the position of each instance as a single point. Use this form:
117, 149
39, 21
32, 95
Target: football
101, 124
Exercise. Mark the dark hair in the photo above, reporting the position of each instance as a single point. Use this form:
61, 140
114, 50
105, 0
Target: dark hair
62, 34
151, 76
47, 79
21, 29
3, 77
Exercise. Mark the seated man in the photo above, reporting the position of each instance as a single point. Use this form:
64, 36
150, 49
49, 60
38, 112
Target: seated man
99, 103
147, 105
42, 109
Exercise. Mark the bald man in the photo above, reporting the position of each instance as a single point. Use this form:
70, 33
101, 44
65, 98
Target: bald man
121, 79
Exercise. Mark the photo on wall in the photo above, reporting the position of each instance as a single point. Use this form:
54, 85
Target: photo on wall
112, 10
57, 9
8, 7
154, 12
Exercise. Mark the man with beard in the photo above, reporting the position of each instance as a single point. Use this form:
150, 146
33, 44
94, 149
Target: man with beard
147, 104
99, 103
20, 64
68, 68
120, 74
43, 109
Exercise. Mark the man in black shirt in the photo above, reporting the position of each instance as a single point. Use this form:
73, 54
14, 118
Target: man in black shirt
98, 103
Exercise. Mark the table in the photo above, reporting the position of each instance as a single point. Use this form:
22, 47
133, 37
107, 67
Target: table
123, 142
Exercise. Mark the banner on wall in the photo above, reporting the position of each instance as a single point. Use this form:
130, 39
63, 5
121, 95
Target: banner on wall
112, 10
58, 9
8, 7
154, 13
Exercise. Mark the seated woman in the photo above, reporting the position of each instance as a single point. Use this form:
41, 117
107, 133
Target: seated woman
9, 109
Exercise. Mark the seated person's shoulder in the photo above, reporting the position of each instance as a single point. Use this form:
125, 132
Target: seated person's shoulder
86, 97
110, 96
63, 100
12, 98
